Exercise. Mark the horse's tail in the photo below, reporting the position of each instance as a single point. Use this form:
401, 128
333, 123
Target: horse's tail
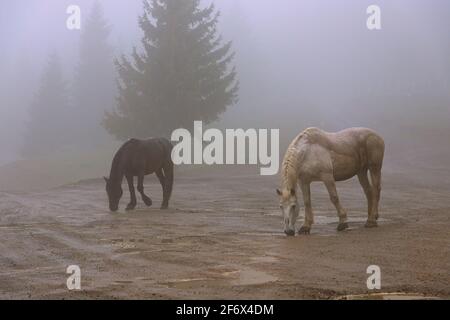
375, 151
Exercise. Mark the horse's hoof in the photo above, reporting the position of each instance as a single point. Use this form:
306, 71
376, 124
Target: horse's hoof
371, 224
148, 202
164, 207
304, 230
130, 206
342, 226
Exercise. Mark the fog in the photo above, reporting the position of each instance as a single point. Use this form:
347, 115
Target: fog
299, 63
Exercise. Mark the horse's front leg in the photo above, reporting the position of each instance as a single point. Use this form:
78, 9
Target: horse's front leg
309, 217
331, 187
133, 200
148, 202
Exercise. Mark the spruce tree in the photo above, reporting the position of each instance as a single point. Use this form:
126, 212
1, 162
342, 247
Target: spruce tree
46, 129
94, 87
183, 74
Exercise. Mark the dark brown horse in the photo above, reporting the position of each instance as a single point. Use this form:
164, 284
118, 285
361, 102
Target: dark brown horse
138, 158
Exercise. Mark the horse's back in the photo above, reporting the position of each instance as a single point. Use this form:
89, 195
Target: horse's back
365, 144
149, 155
157, 146
345, 152
346, 142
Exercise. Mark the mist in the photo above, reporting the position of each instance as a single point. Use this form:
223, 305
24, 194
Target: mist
245, 202
299, 64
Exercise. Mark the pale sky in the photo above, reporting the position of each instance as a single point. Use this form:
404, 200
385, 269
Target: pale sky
316, 52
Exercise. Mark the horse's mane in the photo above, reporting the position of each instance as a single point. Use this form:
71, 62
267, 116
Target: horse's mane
115, 167
290, 163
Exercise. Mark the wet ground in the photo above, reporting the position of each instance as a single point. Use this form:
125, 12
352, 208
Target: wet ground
222, 239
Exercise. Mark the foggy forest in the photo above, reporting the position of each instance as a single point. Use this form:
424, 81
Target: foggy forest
297, 65
135, 69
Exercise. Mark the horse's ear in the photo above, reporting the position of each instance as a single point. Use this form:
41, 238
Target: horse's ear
292, 192
106, 179
278, 192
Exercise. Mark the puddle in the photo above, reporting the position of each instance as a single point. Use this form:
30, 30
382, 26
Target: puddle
252, 277
189, 283
123, 245
123, 282
321, 220
329, 222
264, 234
265, 259
256, 234
234, 277
189, 280
388, 296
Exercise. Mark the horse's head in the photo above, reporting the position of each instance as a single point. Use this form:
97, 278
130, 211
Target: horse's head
114, 191
289, 209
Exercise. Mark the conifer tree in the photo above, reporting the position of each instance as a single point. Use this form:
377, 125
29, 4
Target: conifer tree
45, 132
183, 74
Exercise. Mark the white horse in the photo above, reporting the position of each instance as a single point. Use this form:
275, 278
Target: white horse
316, 155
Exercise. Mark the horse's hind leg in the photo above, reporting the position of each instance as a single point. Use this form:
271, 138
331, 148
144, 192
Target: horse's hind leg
375, 176
375, 147
133, 201
168, 185
140, 187
365, 184
331, 187
162, 180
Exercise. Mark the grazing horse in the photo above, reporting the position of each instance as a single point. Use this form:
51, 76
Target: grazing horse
138, 158
316, 155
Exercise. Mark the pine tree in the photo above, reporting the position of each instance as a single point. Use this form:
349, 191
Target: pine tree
45, 132
183, 75
94, 87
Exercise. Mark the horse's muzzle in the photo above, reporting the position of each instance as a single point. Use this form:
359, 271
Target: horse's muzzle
289, 232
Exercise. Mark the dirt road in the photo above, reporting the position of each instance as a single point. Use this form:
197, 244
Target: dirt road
222, 238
